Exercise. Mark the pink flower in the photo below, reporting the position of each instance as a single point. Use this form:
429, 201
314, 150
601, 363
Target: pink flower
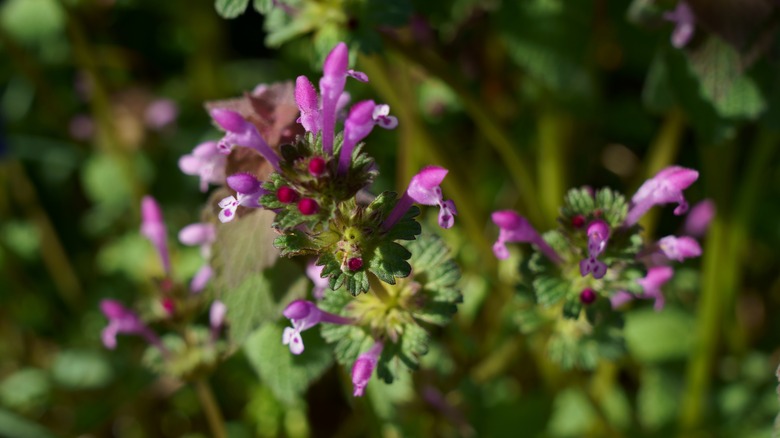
679, 248
360, 122
153, 228
205, 161
598, 234
334, 77
304, 315
242, 133
122, 320
516, 228
364, 367
665, 187
424, 189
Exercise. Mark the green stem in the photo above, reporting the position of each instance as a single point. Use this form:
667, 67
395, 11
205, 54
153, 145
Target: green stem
210, 407
554, 131
486, 122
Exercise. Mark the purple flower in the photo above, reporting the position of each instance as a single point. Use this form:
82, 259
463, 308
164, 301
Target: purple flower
361, 120
201, 278
306, 98
665, 187
363, 368
424, 189
153, 228
205, 161
248, 191
652, 282
242, 133
161, 113
679, 248
314, 273
201, 234
598, 234
334, 78
304, 315
122, 320
684, 24
620, 298
217, 318
516, 228
698, 220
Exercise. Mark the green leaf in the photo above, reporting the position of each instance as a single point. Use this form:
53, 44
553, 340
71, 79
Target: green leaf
242, 249
286, 374
230, 8
723, 82
389, 260
549, 290
294, 243
659, 336
657, 399
25, 390
263, 6
76, 369
12, 425
262, 297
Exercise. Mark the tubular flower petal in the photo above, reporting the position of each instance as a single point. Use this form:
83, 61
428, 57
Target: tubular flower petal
362, 118
304, 315
205, 161
424, 189
153, 228
598, 234
516, 228
201, 279
698, 220
217, 314
665, 187
684, 24
652, 282
242, 133
334, 77
307, 100
248, 191
679, 248
314, 273
122, 320
364, 367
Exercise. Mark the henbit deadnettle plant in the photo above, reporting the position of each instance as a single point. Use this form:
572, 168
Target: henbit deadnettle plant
188, 351
377, 281
581, 274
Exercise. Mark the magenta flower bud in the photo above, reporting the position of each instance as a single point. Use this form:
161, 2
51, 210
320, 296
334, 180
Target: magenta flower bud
355, 263
424, 189
587, 296
364, 368
317, 166
698, 220
168, 305
308, 206
684, 24
243, 182
304, 315
598, 234
679, 248
286, 195
205, 161
578, 221
242, 133
516, 228
306, 98
665, 187
201, 279
652, 282
153, 228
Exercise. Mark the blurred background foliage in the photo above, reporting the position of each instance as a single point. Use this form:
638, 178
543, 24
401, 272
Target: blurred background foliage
519, 99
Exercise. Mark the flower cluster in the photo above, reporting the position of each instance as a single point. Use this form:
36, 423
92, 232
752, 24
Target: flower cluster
598, 255
173, 305
315, 177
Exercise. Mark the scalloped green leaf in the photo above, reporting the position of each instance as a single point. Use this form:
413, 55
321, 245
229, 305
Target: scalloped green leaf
287, 375
230, 8
549, 290
389, 261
